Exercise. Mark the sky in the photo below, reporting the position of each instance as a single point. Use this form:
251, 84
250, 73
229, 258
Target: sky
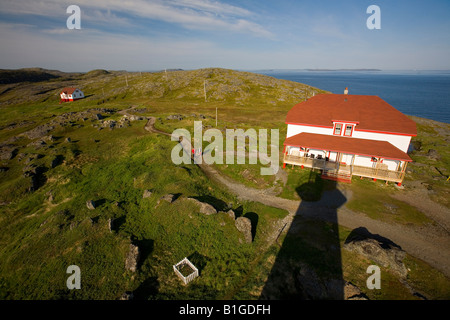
145, 35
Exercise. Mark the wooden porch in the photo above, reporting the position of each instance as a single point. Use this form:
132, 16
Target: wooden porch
344, 172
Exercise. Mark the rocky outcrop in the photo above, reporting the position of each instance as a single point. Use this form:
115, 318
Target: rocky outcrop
36, 173
178, 117
132, 258
39, 132
168, 198
7, 152
244, 225
380, 250
204, 208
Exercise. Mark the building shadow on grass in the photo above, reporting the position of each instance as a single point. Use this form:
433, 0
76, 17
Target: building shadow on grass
308, 265
149, 288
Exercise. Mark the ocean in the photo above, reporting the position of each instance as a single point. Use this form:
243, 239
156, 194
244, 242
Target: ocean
424, 94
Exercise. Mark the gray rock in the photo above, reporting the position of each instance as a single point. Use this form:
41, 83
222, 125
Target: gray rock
132, 258
147, 194
178, 117
382, 251
167, 197
352, 292
231, 214
90, 205
7, 152
39, 131
244, 225
127, 296
204, 208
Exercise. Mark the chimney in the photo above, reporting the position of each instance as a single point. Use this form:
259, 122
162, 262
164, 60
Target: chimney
346, 90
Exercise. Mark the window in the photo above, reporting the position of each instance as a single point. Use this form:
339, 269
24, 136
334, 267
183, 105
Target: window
348, 130
337, 129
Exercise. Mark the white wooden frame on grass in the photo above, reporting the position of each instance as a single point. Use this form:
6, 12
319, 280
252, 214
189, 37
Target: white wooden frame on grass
188, 278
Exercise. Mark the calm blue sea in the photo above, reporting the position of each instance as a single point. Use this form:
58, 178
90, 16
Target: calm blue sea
424, 94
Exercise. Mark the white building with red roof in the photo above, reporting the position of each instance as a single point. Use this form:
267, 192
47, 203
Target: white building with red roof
71, 94
345, 135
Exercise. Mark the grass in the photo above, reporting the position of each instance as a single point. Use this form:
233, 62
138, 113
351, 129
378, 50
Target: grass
373, 198
113, 173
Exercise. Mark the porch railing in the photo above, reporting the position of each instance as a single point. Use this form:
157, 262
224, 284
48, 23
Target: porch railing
322, 164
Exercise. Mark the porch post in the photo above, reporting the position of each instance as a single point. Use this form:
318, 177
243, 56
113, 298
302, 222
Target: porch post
403, 173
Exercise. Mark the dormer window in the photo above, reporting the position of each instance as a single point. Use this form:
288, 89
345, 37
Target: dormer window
337, 129
348, 130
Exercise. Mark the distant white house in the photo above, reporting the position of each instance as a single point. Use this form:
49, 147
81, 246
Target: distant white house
71, 94
345, 135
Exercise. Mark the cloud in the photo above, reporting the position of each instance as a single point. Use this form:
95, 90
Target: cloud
191, 14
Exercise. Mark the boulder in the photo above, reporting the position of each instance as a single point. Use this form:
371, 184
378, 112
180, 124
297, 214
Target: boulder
110, 224
132, 258
147, 194
378, 249
7, 152
244, 225
205, 208
231, 214
90, 205
167, 197
352, 292
127, 296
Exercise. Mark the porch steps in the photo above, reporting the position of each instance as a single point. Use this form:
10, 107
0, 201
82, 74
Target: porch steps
337, 176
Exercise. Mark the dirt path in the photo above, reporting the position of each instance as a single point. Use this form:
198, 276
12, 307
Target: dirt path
427, 243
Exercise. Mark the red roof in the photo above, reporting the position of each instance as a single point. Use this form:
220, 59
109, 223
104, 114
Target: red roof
68, 90
371, 113
363, 147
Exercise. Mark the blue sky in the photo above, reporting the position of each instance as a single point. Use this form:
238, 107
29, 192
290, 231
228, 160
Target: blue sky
249, 34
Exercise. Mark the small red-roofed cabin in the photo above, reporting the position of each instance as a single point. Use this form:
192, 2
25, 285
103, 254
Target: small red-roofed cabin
345, 135
71, 94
